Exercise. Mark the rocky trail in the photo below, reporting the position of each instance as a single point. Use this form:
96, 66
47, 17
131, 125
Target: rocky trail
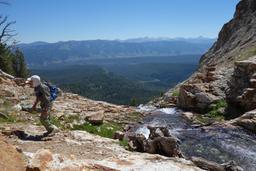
71, 149
78, 150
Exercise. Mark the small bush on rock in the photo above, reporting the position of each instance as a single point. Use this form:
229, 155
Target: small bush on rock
105, 130
217, 109
175, 93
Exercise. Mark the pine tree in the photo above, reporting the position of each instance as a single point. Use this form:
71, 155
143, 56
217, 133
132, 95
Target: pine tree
133, 102
18, 64
6, 59
13, 63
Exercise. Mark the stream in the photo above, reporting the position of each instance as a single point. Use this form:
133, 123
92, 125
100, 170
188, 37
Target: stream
214, 143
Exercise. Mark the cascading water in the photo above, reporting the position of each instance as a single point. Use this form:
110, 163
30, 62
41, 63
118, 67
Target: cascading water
219, 144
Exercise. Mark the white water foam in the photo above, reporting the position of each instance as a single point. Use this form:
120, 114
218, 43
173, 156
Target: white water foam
144, 131
142, 108
150, 108
169, 111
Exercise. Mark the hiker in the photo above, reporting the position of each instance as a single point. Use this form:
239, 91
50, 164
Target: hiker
43, 95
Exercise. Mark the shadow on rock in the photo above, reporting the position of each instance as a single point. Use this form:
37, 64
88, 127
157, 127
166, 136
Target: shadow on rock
27, 137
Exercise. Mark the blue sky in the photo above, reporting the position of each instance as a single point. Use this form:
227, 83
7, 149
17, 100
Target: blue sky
61, 20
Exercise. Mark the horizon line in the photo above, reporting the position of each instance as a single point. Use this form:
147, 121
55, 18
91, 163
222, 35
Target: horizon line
117, 39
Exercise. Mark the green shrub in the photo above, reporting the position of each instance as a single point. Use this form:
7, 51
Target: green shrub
55, 121
161, 94
124, 143
60, 122
175, 93
133, 102
71, 118
8, 119
215, 110
13, 62
105, 130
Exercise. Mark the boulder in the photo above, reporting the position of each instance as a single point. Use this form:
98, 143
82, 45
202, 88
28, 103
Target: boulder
136, 142
247, 121
40, 160
188, 116
158, 131
160, 141
167, 146
232, 166
118, 135
95, 117
242, 92
204, 100
195, 97
186, 97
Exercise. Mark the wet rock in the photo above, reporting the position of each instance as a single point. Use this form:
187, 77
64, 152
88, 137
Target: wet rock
213, 166
188, 115
118, 135
127, 127
247, 121
167, 146
232, 166
160, 141
95, 117
207, 165
137, 142
158, 131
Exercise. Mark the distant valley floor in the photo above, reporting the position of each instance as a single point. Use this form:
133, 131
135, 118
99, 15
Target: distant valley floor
129, 81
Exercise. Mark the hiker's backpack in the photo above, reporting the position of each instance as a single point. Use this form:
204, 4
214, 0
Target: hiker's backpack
54, 91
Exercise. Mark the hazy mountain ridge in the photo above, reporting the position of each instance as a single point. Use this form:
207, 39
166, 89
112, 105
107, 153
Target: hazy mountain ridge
70, 51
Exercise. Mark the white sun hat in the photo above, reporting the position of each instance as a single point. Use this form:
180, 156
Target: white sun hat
35, 80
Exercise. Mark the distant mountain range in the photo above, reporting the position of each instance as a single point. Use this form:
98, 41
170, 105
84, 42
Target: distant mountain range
43, 53
199, 39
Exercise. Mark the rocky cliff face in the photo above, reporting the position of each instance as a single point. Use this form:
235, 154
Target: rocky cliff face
218, 71
237, 38
242, 92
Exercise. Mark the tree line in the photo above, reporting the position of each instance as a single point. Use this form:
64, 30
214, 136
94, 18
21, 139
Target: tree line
12, 60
